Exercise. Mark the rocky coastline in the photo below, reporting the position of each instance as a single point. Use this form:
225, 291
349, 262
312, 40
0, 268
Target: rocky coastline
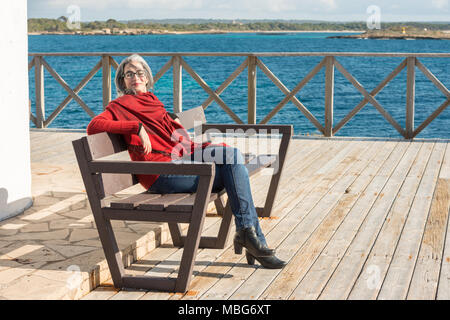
393, 34
163, 32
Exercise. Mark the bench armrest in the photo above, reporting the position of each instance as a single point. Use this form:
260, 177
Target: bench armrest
152, 167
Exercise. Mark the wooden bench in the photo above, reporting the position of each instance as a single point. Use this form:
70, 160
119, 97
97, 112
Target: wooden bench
106, 177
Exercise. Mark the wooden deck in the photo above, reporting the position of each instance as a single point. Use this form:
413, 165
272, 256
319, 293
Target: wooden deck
354, 218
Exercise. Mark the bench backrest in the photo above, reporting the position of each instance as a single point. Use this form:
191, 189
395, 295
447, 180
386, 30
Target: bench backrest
98, 146
192, 117
105, 144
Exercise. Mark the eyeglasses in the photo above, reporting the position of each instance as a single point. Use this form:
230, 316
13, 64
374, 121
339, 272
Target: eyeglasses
131, 74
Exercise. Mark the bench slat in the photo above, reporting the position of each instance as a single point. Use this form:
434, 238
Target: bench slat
187, 204
161, 203
146, 215
133, 201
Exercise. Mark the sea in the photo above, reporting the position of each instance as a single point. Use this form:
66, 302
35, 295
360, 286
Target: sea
369, 71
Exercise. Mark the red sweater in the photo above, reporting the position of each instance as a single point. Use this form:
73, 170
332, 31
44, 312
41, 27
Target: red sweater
168, 138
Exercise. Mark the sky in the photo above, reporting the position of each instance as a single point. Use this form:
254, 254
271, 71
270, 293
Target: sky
328, 10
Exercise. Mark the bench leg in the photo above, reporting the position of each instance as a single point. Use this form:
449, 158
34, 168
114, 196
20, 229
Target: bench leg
175, 233
274, 182
225, 227
111, 250
192, 241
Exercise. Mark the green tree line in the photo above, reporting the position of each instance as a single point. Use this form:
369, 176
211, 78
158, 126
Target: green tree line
61, 25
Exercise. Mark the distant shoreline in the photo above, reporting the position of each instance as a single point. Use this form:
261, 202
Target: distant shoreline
144, 32
387, 35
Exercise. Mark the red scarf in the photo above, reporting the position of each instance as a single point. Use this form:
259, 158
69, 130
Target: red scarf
169, 138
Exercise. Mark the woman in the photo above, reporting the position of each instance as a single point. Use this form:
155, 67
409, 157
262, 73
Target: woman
152, 134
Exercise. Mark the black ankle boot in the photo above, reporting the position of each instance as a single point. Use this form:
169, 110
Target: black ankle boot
271, 262
247, 238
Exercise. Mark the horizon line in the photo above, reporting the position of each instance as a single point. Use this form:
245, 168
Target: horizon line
263, 19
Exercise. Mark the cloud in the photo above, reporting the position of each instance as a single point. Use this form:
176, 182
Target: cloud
329, 4
165, 4
334, 10
440, 4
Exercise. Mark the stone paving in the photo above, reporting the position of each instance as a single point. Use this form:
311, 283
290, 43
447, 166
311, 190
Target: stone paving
52, 250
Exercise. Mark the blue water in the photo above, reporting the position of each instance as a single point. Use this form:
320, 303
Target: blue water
369, 71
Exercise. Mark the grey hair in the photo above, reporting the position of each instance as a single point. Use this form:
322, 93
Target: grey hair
119, 79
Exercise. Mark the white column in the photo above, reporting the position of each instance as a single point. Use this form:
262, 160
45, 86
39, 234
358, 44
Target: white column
15, 171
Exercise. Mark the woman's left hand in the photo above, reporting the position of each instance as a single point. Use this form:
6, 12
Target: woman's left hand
146, 144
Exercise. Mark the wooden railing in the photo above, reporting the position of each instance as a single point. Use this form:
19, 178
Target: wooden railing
251, 62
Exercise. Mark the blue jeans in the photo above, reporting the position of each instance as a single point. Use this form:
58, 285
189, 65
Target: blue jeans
231, 174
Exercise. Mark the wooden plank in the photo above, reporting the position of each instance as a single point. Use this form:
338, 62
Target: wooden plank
251, 90
426, 273
106, 80
259, 54
343, 279
308, 239
329, 99
187, 204
192, 118
445, 169
50, 144
113, 63
133, 201
161, 203
101, 293
371, 277
148, 167
177, 84
398, 277
146, 215
410, 96
39, 91
128, 294
315, 280
444, 279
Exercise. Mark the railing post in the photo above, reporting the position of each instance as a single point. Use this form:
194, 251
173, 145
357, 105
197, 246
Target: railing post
177, 84
251, 85
39, 92
410, 96
329, 90
106, 80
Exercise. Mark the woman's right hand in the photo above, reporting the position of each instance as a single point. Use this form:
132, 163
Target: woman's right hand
147, 145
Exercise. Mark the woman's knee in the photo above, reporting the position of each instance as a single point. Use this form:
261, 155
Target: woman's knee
233, 156
223, 155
